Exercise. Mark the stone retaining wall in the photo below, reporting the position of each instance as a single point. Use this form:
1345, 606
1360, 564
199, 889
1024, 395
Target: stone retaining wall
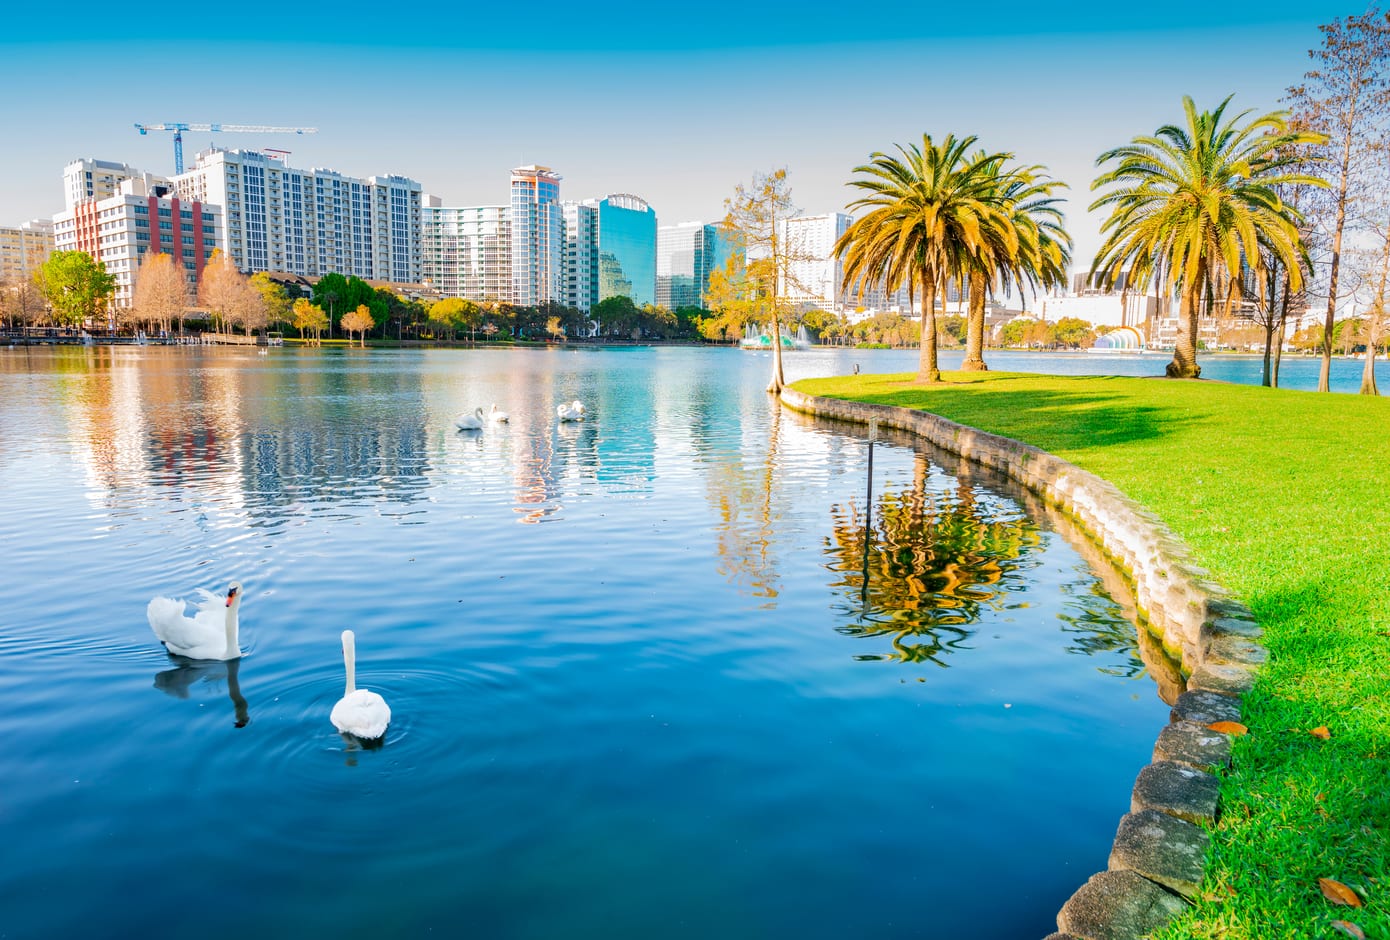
1157, 859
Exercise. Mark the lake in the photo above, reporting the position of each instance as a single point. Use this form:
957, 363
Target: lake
666, 672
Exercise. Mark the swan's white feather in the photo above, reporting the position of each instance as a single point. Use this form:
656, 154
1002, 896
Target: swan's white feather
361, 713
202, 636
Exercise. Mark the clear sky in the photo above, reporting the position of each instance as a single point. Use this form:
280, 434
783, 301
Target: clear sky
674, 103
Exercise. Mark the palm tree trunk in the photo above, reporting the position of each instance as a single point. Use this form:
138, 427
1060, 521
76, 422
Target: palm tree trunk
927, 368
1184, 364
975, 326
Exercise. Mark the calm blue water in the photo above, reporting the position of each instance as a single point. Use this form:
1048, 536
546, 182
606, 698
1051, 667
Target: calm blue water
641, 686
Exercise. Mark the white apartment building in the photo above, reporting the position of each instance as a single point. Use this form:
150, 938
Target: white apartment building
23, 248
813, 271
538, 236
467, 251
88, 179
309, 222
143, 216
1110, 309
579, 287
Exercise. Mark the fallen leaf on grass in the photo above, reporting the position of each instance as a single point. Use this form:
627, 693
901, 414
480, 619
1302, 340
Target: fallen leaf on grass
1321, 732
1338, 893
1350, 929
1229, 727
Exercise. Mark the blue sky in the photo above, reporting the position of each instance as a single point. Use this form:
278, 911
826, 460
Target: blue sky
628, 97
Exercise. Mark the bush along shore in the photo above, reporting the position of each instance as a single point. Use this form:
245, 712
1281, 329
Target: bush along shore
1282, 497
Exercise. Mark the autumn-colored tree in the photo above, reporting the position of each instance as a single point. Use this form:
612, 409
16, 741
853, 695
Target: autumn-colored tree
21, 301
1346, 97
311, 317
359, 321
161, 290
754, 222
221, 289
77, 288
274, 300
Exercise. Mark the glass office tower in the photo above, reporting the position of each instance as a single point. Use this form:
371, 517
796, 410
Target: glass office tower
686, 255
626, 249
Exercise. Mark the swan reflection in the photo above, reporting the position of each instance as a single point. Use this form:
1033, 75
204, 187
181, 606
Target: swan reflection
178, 682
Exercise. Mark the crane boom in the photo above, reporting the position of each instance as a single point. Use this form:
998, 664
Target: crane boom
178, 127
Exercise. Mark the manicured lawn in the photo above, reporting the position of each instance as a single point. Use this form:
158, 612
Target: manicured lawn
1285, 496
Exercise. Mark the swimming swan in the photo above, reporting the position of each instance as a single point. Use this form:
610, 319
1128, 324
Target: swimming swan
473, 422
360, 712
209, 634
498, 417
574, 411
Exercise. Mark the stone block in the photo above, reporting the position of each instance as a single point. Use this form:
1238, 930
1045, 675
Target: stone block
1187, 742
1232, 626
1229, 607
1177, 790
1235, 651
1118, 905
1164, 849
1205, 707
1227, 680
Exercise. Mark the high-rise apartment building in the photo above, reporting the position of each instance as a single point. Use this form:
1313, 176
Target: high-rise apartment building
88, 179
309, 222
686, 255
626, 238
538, 236
23, 248
581, 256
466, 252
143, 216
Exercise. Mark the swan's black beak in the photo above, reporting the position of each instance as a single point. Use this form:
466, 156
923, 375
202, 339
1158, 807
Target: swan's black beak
230, 595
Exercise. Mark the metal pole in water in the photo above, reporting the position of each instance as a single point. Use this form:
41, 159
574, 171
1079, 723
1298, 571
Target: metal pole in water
868, 511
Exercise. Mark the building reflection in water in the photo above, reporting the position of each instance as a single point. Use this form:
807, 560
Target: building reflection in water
244, 434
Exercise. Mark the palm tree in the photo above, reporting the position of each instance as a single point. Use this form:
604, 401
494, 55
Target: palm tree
1043, 256
1196, 203
931, 211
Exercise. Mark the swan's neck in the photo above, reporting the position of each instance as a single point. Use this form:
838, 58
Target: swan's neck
350, 661
232, 648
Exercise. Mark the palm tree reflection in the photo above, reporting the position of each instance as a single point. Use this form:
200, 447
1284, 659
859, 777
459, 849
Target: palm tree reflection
929, 561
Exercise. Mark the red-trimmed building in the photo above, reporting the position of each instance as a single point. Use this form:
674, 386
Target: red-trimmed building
143, 216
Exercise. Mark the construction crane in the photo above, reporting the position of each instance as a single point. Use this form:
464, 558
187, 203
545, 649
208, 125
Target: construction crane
179, 128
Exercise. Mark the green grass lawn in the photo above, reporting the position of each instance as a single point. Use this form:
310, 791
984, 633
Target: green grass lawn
1285, 496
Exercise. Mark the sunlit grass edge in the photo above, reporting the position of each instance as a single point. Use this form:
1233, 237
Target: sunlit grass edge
1285, 496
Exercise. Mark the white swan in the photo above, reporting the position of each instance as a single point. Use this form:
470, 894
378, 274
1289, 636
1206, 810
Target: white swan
473, 422
574, 411
209, 634
498, 417
360, 712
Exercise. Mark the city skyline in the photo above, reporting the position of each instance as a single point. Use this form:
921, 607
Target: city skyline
679, 124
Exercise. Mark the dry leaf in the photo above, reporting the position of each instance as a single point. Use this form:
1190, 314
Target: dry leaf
1229, 727
1350, 929
1321, 732
1338, 893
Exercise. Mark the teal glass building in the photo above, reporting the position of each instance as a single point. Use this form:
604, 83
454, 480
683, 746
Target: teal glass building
626, 249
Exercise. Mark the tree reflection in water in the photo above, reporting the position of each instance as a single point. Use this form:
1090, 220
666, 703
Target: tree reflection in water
928, 563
